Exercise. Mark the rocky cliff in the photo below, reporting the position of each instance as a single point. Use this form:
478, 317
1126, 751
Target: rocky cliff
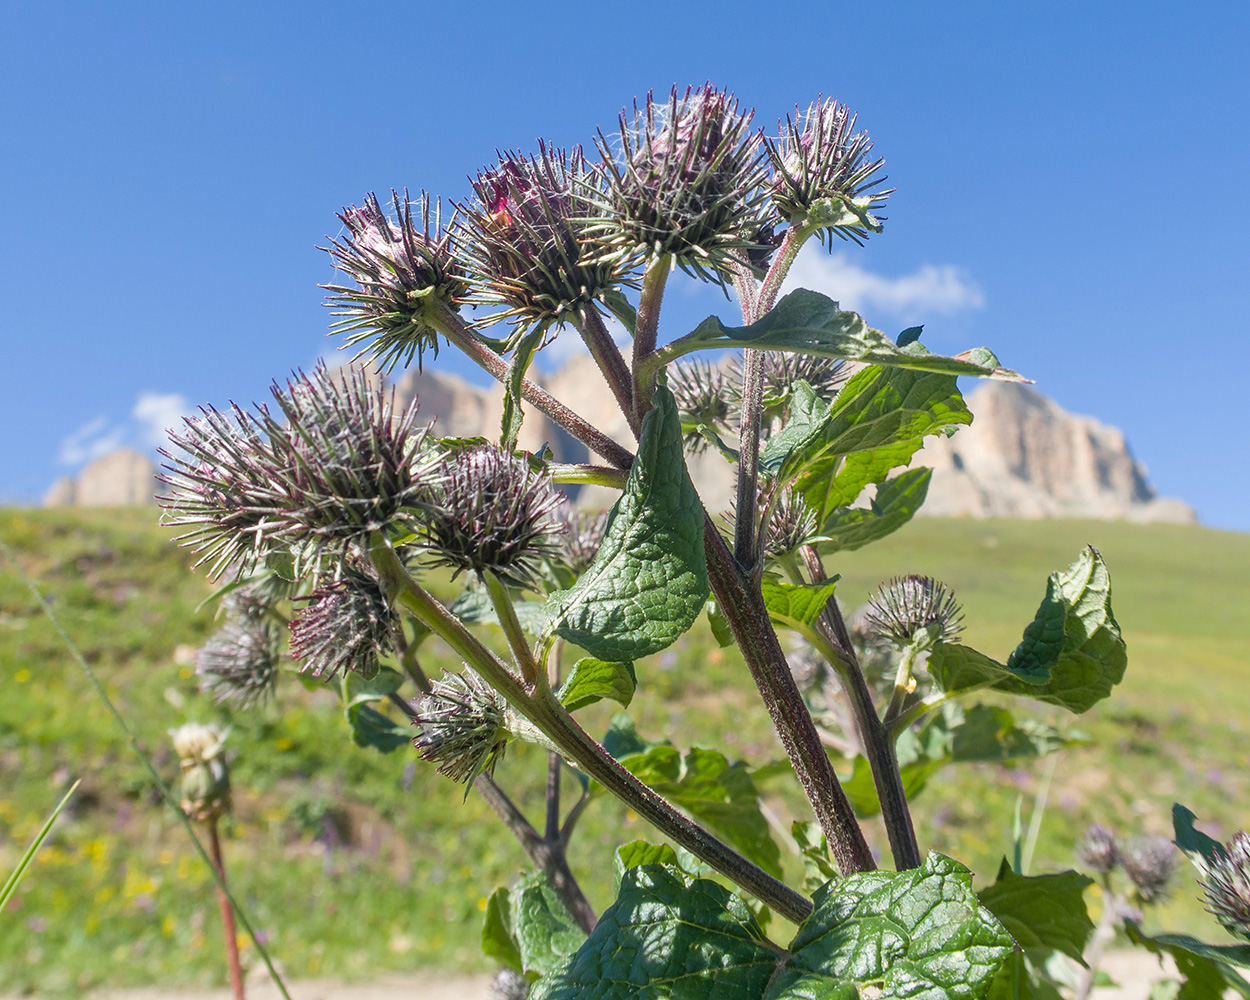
1023, 455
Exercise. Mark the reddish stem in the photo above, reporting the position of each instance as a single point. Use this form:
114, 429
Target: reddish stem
227, 914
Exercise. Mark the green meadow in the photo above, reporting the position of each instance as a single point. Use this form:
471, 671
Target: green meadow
353, 863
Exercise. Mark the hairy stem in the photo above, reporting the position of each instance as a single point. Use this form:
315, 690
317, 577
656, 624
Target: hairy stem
931, 704
874, 734
501, 600
1102, 936
227, 913
746, 528
645, 332
902, 684
743, 605
608, 357
784, 259
453, 328
550, 717
588, 475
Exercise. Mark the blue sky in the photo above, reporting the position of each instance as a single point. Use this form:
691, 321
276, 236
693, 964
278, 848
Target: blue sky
1072, 189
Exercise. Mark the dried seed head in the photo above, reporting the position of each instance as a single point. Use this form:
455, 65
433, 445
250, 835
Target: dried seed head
340, 467
205, 777
907, 604
401, 275
464, 727
822, 174
685, 181
526, 235
792, 525
702, 396
1150, 863
1226, 884
488, 510
582, 536
239, 663
346, 625
1098, 850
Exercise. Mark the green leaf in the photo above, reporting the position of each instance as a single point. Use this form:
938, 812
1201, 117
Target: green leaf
988, 733
370, 728
807, 322
1202, 850
545, 932
787, 449
896, 502
918, 933
593, 680
719, 624
28, 856
474, 607
667, 937
861, 789
1207, 968
512, 413
796, 605
498, 941
1072, 653
1042, 911
358, 690
620, 307
622, 739
648, 580
640, 852
814, 850
720, 794
909, 336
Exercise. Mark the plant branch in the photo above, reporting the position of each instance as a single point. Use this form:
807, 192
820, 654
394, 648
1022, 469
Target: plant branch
746, 528
227, 913
783, 260
501, 600
550, 717
875, 736
902, 684
743, 605
935, 701
608, 357
645, 334
451, 326
588, 475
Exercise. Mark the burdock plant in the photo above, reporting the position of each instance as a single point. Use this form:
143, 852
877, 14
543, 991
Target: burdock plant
353, 504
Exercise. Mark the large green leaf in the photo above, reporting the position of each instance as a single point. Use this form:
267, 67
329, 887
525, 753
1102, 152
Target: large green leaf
1202, 850
593, 680
807, 322
1208, 969
1072, 653
529, 929
370, 728
861, 789
498, 940
648, 580
1042, 911
896, 503
895, 935
667, 937
641, 852
794, 605
707, 786
814, 850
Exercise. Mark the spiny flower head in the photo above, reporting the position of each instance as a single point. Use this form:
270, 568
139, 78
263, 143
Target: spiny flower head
702, 395
399, 271
239, 663
487, 510
1226, 884
345, 625
582, 536
907, 604
685, 181
781, 370
1150, 863
464, 727
1098, 850
822, 174
340, 466
524, 239
792, 525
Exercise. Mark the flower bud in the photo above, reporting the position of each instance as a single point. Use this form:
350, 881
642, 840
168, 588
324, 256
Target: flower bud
1150, 863
464, 727
205, 777
239, 663
1098, 850
1226, 884
907, 605
701, 393
344, 626
582, 536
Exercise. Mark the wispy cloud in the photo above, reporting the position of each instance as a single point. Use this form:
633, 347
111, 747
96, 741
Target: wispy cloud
932, 289
151, 416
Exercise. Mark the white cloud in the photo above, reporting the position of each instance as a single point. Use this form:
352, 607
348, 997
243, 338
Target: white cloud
158, 412
930, 290
151, 416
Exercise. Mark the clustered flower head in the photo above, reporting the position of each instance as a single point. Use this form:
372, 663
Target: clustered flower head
526, 235
205, 777
341, 465
908, 604
792, 525
686, 181
239, 663
1226, 885
1098, 850
822, 174
582, 536
344, 625
702, 395
464, 727
781, 370
1150, 863
400, 273
487, 510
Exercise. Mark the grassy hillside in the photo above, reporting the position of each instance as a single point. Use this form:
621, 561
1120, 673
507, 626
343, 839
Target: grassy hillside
353, 862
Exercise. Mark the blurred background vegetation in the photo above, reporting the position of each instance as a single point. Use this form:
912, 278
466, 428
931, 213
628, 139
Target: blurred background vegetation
353, 862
